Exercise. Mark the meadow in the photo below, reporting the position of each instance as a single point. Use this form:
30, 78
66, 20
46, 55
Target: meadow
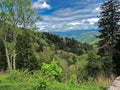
24, 80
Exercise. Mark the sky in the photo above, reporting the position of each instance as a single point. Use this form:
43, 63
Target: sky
67, 15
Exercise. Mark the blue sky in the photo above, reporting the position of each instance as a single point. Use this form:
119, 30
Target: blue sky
66, 15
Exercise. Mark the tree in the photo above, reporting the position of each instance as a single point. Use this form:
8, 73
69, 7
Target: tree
2, 57
109, 29
116, 56
94, 64
25, 48
15, 14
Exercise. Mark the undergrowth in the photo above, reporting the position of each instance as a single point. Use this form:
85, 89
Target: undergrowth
24, 80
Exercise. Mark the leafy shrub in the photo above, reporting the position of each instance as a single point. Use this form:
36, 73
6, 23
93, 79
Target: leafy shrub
43, 83
48, 71
52, 69
15, 76
73, 80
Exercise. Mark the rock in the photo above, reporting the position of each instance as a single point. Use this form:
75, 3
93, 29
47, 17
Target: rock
115, 85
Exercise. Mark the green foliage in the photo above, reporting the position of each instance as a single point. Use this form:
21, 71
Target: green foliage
89, 37
61, 86
48, 71
36, 81
13, 15
37, 51
109, 34
2, 57
51, 69
43, 83
73, 80
67, 44
94, 64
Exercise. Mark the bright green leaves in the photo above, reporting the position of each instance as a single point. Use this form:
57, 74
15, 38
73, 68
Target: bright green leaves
51, 69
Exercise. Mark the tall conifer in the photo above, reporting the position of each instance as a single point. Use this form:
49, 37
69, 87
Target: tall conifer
109, 21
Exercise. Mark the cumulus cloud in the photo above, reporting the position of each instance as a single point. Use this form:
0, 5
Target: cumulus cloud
91, 21
84, 24
71, 18
41, 4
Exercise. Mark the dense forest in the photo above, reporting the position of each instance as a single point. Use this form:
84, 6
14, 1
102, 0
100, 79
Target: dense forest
31, 60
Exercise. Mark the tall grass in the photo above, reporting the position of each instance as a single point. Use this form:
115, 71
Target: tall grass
103, 81
17, 80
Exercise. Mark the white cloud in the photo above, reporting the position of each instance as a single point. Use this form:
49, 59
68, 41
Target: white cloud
74, 18
83, 24
91, 21
97, 9
75, 23
78, 17
66, 12
41, 4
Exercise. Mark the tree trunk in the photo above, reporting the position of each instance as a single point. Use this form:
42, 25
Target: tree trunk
14, 60
7, 56
14, 52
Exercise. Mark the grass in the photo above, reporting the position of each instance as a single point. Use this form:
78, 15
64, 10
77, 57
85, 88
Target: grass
60, 86
25, 81
104, 81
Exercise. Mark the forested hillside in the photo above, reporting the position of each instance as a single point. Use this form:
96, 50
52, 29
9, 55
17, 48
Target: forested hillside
34, 49
89, 37
84, 36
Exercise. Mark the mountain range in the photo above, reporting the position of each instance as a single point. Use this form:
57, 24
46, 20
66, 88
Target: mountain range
84, 36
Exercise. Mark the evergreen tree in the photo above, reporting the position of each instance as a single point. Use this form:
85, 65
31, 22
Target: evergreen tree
109, 29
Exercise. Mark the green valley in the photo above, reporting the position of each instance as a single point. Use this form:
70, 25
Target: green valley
88, 36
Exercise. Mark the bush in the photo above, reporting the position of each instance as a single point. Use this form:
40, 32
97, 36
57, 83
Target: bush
51, 69
73, 80
43, 83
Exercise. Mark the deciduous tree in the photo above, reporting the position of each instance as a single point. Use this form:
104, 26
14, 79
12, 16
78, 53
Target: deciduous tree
15, 14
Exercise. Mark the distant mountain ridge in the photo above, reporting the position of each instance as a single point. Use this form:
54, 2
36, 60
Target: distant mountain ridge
84, 36
89, 37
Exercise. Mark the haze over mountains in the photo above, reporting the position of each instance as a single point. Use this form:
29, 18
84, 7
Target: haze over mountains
84, 36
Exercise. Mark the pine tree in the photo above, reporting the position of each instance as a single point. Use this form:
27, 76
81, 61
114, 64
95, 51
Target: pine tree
109, 21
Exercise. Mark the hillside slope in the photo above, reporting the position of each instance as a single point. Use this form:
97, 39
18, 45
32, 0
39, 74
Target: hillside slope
89, 37
84, 36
